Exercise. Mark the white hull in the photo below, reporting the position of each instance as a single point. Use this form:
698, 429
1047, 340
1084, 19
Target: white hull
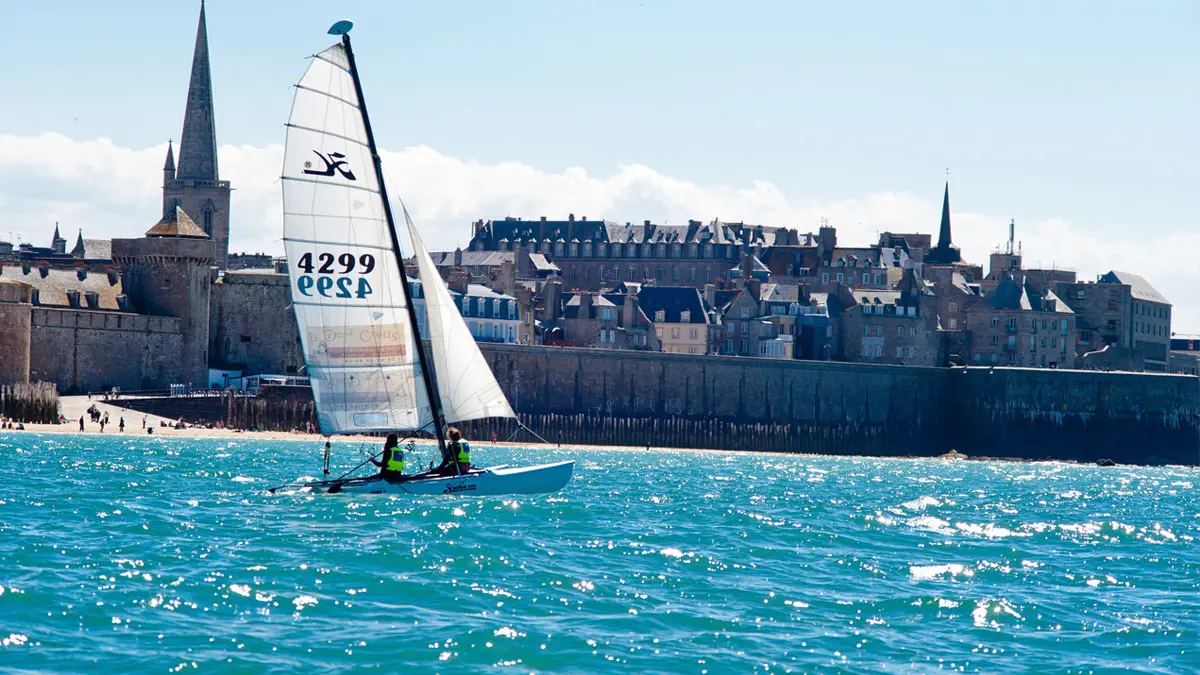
530, 480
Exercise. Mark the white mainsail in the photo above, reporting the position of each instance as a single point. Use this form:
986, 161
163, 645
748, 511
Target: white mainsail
466, 386
345, 281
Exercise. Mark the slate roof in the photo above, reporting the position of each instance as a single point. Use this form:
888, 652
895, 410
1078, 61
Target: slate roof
472, 258
673, 300
177, 224
52, 288
1138, 286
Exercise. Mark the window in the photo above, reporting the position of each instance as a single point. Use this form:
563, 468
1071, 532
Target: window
840, 277
496, 308
866, 331
662, 250
1032, 343
658, 333
899, 352
1053, 343
558, 249
745, 313
685, 316
616, 250
674, 272
658, 274
878, 279
866, 278
691, 350
825, 277
1063, 330
994, 340
912, 331
745, 346
674, 333
900, 331
1043, 342
878, 350
708, 251
745, 327
953, 307
866, 350
1054, 325
953, 324
587, 249
1080, 294
995, 321
912, 311
608, 313
660, 315
692, 334
707, 275
912, 353
692, 273
878, 331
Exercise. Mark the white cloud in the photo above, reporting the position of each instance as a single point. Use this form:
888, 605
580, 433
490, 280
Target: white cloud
111, 191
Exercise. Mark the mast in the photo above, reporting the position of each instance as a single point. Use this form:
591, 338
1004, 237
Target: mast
435, 400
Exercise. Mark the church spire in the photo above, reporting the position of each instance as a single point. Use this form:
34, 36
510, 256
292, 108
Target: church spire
198, 144
169, 165
945, 253
944, 233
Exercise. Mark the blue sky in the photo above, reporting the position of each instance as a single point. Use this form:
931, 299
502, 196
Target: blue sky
1076, 113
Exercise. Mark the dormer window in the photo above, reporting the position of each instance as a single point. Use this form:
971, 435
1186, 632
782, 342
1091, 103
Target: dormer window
558, 249
685, 316
692, 248
662, 250
708, 250
574, 249
616, 250
602, 250
676, 250
660, 315
587, 249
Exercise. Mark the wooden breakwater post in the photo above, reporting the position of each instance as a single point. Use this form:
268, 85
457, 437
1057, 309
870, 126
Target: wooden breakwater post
36, 402
269, 414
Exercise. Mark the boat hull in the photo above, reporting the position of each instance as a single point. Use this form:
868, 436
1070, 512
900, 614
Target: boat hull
530, 480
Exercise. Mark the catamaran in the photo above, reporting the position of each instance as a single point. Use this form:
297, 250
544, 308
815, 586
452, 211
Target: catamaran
369, 368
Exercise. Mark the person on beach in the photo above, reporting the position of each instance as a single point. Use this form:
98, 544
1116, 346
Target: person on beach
391, 462
121, 427
143, 421
81, 422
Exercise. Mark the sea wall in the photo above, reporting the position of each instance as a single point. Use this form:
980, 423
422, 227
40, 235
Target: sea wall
638, 398
1144, 418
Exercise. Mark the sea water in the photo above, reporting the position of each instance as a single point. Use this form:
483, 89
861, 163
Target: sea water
130, 554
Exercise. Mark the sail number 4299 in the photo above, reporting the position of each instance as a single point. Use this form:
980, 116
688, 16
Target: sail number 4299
336, 286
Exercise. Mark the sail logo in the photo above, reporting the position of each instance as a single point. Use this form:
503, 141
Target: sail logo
334, 161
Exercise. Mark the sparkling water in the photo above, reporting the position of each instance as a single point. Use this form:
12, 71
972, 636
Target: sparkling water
141, 554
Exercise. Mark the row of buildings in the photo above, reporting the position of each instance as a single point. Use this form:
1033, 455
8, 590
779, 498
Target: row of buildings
175, 306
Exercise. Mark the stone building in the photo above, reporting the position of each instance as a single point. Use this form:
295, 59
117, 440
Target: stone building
681, 321
1019, 325
896, 327
599, 254
1123, 315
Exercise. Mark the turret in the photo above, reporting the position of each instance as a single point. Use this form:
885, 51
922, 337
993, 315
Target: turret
169, 165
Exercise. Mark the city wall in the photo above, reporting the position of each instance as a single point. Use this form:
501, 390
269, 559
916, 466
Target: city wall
82, 350
638, 398
252, 326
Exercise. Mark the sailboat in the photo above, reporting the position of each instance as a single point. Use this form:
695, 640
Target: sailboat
370, 370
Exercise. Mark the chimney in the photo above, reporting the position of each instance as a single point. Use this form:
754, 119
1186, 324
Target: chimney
754, 286
73, 298
458, 257
92, 298
585, 305
571, 218
629, 311
123, 303
551, 297
710, 295
458, 281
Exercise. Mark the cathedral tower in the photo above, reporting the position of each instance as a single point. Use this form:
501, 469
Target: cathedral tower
194, 184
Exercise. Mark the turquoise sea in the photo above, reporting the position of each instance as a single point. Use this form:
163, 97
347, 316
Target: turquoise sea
138, 554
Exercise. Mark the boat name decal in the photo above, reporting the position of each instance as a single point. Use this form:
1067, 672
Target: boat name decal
464, 487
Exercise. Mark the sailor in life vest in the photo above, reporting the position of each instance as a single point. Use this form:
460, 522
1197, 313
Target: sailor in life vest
459, 450
391, 462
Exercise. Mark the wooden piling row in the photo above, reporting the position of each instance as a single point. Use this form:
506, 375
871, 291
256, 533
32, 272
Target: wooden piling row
35, 403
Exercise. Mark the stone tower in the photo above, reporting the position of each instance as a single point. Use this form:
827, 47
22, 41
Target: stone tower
15, 324
194, 184
169, 273
58, 244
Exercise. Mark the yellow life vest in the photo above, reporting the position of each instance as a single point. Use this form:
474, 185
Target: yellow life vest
464, 452
396, 461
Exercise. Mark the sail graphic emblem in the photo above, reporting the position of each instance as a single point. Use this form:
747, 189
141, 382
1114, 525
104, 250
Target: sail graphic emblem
334, 161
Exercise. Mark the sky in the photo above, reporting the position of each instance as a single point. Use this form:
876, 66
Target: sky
1078, 119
